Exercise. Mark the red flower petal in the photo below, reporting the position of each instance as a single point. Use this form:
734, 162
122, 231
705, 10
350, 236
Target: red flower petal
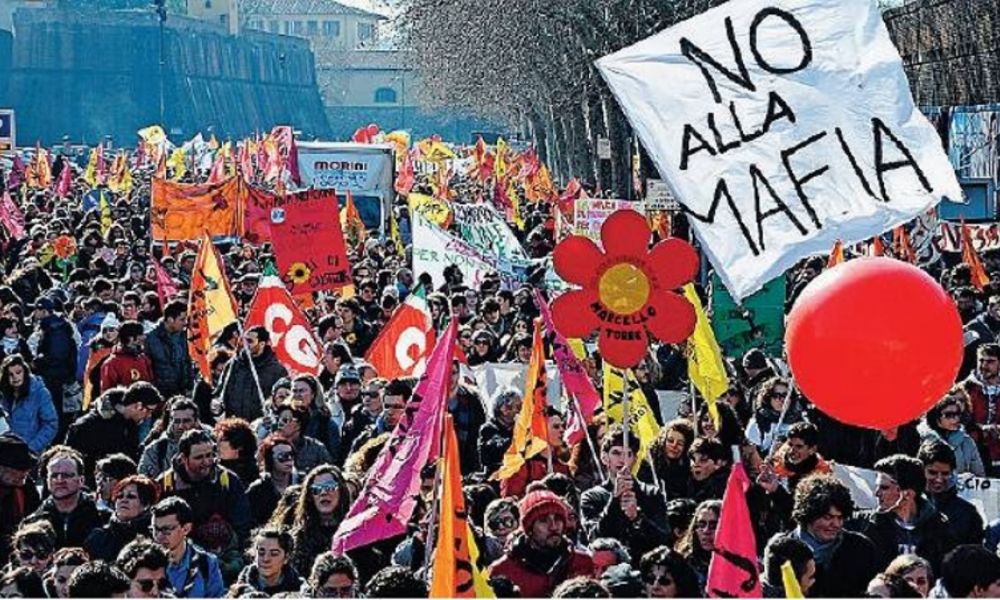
623, 354
674, 262
625, 232
572, 315
675, 318
575, 260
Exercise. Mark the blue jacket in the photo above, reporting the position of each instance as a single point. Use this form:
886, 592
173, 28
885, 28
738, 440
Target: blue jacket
88, 328
33, 417
197, 576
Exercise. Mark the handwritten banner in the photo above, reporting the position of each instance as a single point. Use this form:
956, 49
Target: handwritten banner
308, 242
985, 237
590, 213
486, 229
183, 211
434, 249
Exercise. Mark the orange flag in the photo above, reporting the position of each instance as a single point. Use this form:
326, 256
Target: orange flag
836, 255
210, 305
531, 430
971, 258
878, 248
455, 572
901, 246
350, 222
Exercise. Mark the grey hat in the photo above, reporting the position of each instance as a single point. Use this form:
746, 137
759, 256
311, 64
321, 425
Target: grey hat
346, 373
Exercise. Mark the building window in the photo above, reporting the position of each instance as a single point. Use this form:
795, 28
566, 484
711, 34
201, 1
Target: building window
297, 27
274, 26
366, 31
285, 29
312, 28
331, 28
385, 96
208, 4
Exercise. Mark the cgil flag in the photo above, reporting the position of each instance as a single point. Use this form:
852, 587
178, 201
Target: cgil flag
210, 304
401, 347
733, 572
386, 503
706, 368
531, 429
292, 338
455, 572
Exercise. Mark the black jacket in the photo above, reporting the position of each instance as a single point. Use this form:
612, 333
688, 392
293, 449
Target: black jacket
290, 580
963, 518
263, 499
603, 517
849, 569
930, 537
241, 396
171, 364
494, 439
106, 542
100, 432
71, 529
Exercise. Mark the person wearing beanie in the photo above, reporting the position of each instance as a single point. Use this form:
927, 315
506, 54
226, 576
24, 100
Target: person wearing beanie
541, 556
18, 493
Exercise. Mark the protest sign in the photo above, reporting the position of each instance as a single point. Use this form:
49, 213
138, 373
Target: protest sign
183, 211
486, 229
308, 243
985, 237
758, 323
590, 213
434, 249
781, 127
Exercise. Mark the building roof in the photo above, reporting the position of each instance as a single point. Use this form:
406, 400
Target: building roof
303, 7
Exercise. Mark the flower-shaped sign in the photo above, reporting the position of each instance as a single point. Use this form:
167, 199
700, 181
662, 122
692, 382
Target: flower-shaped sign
627, 290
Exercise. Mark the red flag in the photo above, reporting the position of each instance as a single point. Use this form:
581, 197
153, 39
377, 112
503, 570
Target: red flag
308, 242
405, 178
292, 337
969, 256
836, 255
733, 571
366, 135
401, 349
165, 286
901, 246
878, 248
11, 217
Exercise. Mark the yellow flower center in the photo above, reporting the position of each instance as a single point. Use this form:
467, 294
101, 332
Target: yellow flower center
624, 288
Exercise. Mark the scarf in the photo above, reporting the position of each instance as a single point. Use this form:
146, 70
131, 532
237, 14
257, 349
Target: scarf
822, 551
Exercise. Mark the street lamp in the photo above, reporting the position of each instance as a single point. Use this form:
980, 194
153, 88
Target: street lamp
161, 13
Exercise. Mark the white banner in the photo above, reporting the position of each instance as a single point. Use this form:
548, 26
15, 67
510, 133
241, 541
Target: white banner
781, 127
486, 229
434, 249
982, 492
358, 168
492, 377
589, 214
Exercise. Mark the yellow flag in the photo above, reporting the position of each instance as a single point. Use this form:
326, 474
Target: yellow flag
178, 163
90, 174
153, 135
213, 144
397, 239
500, 160
433, 209
531, 429
455, 572
106, 219
210, 307
576, 345
792, 588
515, 201
434, 151
705, 366
641, 417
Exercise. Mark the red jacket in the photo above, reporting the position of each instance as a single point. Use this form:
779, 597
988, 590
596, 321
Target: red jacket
525, 572
533, 469
125, 369
982, 405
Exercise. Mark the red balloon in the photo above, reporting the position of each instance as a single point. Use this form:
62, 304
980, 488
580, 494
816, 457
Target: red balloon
874, 342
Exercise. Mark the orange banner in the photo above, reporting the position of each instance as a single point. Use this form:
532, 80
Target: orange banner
183, 211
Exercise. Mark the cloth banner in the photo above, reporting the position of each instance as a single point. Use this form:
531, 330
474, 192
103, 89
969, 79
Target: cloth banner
784, 127
492, 378
329, 165
386, 503
434, 249
292, 338
183, 211
308, 243
642, 421
589, 214
985, 237
486, 230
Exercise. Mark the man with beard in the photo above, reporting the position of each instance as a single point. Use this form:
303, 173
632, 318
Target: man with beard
906, 521
158, 454
845, 560
128, 362
983, 388
242, 394
939, 469
221, 518
541, 556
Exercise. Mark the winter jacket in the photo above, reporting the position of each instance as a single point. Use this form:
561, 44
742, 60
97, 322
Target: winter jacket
73, 528
197, 575
101, 432
221, 496
930, 535
33, 418
290, 580
963, 517
310, 453
849, 568
967, 457
55, 360
89, 327
263, 498
106, 542
172, 366
985, 403
241, 395
603, 517
125, 368
538, 572
358, 422
15, 504
468, 415
494, 439
322, 428
533, 469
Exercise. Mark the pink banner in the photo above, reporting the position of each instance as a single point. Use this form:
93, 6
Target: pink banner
165, 286
574, 378
11, 217
385, 505
733, 571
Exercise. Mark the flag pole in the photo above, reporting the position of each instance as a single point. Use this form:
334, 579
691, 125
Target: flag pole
253, 367
625, 408
575, 406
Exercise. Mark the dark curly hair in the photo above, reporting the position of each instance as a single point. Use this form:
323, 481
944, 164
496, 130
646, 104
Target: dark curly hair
816, 494
684, 576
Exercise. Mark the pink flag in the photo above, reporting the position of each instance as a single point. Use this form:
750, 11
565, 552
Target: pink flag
385, 505
285, 139
165, 286
16, 175
733, 572
65, 183
11, 217
574, 378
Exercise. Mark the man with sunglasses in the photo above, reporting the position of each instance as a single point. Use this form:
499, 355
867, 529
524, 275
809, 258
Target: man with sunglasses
395, 395
363, 415
333, 576
145, 564
192, 572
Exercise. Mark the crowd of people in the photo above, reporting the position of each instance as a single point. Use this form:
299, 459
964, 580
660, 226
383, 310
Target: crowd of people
124, 472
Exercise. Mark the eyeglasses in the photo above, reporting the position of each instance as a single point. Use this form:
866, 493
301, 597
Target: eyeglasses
504, 522
322, 488
164, 529
284, 456
146, 585
57, 475
663, 580
706, 525
951, 414
336, 592
30, 555
394, 406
